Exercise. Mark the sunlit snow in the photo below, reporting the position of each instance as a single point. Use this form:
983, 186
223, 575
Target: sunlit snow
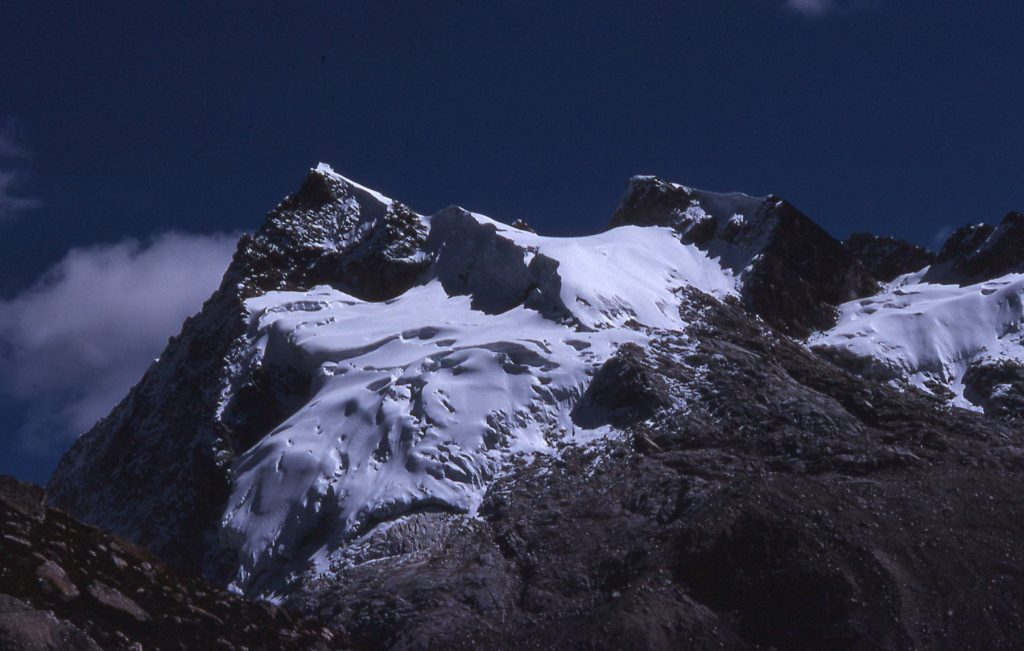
417, 402
925, 332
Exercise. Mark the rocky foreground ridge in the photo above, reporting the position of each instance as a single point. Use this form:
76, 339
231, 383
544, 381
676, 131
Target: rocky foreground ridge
712, 426
65, 585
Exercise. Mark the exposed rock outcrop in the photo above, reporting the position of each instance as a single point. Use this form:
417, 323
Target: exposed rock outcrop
885, 258
981, 252
791, 272
997, 386
624, 391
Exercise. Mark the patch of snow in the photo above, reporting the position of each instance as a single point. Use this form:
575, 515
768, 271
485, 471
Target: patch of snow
725, 205
327, 170
924, 332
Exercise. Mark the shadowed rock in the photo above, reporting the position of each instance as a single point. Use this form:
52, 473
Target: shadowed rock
997, 387
73, 587
981, 252
792, 273
23, 628
623, 391
885, 258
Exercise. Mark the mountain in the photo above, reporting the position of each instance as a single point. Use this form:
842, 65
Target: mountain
709, 425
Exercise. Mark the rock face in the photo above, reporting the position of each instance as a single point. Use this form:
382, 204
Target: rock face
997, 386
981, 252
23, 628
65, 586
445, 432
791, 272
622, 392
885, 258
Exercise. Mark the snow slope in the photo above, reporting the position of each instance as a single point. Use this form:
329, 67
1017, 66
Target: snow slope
417, 402
930, 333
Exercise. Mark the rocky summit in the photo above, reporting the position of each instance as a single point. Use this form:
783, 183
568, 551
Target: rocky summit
707, 425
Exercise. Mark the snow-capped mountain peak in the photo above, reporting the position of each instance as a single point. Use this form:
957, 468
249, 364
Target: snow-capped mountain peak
362, 362
417, 402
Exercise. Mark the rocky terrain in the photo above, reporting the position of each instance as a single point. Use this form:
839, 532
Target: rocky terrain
980, 252
68, 586
792, 272
711, 425
885, 258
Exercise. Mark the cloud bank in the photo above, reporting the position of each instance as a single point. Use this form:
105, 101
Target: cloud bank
8, 148
818, 8
74, 343
810, 7
12, 161
940, 237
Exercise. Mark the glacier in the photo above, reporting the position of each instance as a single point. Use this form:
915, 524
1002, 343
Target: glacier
929, 334
417, 402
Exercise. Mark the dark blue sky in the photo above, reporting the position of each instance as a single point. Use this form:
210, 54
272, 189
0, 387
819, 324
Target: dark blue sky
133, 119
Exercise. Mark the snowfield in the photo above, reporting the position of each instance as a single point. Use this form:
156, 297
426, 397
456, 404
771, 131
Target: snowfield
417, 402
930, 333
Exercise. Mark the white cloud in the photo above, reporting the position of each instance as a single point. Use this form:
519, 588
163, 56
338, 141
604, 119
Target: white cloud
8, 148
11, 205
940, 237
73, 344
12, 160
810, 7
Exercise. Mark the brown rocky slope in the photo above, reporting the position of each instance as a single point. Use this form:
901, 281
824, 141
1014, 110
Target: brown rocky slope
68, 586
